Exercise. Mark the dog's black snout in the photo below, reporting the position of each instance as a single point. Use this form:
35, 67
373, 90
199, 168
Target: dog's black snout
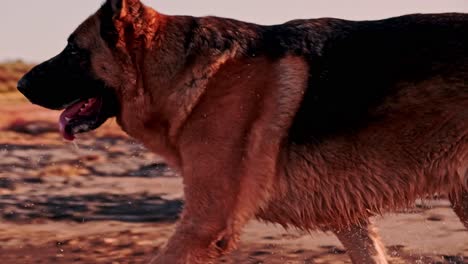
23, 85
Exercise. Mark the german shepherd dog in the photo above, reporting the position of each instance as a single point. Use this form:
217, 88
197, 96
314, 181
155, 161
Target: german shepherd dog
315, 124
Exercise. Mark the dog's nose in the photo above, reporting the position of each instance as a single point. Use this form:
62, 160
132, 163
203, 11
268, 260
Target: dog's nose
23, 85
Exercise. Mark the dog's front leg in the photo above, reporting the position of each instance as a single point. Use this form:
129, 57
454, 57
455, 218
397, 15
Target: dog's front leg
219, 200
207, 229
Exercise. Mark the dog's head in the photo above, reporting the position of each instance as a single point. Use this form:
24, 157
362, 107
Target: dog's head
88, 76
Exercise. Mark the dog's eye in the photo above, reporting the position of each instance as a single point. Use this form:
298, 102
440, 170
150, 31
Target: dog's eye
72, 49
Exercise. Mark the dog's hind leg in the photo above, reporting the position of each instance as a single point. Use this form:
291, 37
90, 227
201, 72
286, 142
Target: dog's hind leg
362, 244
460, 206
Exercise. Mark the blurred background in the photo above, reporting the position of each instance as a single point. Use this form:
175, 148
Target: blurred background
106, 199
36, 30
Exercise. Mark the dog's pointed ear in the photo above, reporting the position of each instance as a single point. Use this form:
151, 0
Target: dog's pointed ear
124, 8
116, 15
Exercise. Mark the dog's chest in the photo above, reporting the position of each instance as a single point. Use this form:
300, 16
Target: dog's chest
136, 121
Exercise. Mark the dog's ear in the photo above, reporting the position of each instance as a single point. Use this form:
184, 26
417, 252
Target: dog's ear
125, 8
116, 16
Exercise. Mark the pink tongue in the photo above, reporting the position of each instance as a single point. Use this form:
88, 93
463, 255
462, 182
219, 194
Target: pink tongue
66, 117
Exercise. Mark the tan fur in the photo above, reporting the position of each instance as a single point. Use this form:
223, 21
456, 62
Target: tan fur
357, 168
226, 135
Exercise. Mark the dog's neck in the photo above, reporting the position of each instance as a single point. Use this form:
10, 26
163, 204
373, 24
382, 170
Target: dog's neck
192, 61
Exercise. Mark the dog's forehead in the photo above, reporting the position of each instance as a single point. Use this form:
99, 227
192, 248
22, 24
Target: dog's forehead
87, 33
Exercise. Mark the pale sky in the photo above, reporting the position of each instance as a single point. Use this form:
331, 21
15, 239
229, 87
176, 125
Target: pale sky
35, 30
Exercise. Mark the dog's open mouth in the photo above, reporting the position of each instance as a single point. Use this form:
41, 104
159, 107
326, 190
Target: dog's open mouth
81, 117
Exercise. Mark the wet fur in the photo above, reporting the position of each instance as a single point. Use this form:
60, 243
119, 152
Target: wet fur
316, 124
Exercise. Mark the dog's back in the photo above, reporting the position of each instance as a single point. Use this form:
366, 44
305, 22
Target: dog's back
356, 67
